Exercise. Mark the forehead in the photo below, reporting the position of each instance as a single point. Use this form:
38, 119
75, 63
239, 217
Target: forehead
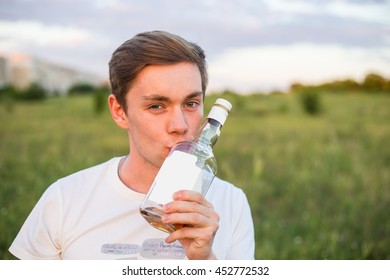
180, 78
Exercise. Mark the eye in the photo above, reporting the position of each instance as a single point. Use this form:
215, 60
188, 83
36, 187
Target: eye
155, 107
192, 104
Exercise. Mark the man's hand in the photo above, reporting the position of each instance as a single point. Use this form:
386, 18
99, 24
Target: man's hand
201, 222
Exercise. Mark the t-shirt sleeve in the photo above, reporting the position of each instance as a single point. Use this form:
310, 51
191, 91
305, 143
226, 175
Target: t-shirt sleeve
39, 236
243, 245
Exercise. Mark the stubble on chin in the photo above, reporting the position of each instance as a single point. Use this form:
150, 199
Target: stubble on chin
155, 162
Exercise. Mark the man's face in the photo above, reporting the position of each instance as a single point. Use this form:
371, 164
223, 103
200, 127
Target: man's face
164, 107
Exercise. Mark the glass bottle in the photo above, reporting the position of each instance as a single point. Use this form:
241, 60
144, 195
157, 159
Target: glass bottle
190, 165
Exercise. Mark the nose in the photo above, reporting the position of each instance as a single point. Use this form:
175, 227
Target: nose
178, 122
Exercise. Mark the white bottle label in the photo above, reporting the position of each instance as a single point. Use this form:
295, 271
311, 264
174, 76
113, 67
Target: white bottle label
178, 172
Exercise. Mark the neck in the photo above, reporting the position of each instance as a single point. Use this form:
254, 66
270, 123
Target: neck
135, 175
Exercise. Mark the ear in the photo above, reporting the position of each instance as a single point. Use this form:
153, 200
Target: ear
117, 112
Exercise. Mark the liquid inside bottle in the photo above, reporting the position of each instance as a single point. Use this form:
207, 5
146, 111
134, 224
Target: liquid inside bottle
189, 165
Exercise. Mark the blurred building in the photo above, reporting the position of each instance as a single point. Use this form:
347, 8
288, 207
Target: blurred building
21, 70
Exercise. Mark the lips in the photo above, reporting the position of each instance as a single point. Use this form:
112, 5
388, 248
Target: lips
170, 147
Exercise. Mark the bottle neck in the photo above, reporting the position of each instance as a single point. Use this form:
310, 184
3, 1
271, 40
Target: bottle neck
210, 132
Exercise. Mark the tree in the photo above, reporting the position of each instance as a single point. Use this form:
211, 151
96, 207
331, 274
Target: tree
81, 88
310, 101
34, 92
374, 83
100, 99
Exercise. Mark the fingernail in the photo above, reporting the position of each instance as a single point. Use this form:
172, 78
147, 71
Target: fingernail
165, 208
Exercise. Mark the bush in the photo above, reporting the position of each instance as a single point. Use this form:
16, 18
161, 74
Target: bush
310, 101
100, 100
7, 97
81, 88
34, 92
374, 83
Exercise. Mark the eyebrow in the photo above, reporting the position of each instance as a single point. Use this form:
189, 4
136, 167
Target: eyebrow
162, 98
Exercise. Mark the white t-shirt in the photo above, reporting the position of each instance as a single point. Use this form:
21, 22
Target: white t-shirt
92, 215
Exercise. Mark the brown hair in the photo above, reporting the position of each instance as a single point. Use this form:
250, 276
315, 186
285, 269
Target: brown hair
151, 48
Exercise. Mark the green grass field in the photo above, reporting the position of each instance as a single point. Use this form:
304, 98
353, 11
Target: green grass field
319, 186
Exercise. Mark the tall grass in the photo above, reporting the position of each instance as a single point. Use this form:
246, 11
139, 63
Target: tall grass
318, 185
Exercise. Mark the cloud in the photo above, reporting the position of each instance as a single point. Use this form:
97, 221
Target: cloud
22, 33
294, 7
67, 45
369, 11
276, 67
376, 12
231, 32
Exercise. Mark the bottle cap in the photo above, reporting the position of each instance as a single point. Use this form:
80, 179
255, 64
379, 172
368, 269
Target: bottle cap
220, 110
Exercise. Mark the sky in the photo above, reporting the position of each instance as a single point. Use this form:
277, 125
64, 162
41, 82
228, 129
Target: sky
251, 45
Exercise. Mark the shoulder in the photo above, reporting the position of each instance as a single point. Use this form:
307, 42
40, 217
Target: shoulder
223, 189
84, 181
97, 170
223, 195
235, 236
92, 174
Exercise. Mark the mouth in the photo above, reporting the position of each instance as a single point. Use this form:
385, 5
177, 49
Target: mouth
169, 148
174, 144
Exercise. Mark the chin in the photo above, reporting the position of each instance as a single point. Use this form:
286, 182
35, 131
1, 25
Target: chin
160, 161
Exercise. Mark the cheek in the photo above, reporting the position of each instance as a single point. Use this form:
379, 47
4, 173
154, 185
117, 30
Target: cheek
195, 121
199, 115
145, 129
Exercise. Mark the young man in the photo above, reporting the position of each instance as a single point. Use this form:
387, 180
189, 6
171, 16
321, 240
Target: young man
158, 83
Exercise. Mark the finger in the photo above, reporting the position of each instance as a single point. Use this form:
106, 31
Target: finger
189, 207
203, 235
192, 219
193, 196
